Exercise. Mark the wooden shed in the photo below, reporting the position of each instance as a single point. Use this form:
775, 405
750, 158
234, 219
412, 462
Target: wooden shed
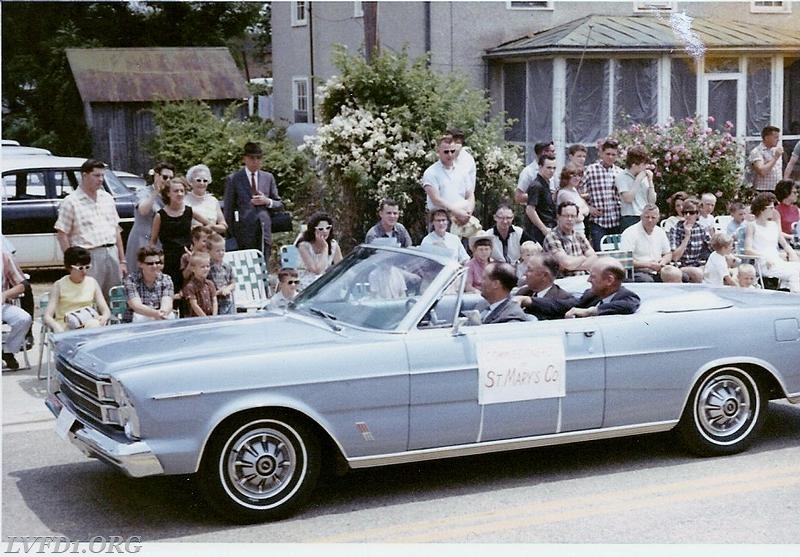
118, 86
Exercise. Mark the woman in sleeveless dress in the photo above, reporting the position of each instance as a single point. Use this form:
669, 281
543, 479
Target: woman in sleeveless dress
318, 250
172, 226
762, 238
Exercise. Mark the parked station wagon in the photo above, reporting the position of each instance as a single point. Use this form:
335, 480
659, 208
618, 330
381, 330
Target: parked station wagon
256, 406
33, 187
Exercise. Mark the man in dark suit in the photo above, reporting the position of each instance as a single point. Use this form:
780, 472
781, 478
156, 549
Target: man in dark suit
251, 194
498, 280
541, 297
606, 296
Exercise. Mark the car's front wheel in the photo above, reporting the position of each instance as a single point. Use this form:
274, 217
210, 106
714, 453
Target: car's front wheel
724, 413
259, 468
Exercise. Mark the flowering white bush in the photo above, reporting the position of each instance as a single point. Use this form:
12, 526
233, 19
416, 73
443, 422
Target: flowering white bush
380, 125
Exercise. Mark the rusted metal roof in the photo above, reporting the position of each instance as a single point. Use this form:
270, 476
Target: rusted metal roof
155, 74
647, 33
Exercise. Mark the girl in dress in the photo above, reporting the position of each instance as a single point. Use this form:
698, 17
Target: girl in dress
762, 238
317, 248
172, 226
202, 202
147, 206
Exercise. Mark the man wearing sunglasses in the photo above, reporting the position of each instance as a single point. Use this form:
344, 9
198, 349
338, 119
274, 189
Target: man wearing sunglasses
251, 195
446, 187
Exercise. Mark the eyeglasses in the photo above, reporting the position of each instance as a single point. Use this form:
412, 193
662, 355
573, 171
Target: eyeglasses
292, 282
166, 177
576, 175
81, 267
690, 212
448, 151
323, 228
203, 180
153, 263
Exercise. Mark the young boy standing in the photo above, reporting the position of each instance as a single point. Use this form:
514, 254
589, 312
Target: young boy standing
221, 275
199, 292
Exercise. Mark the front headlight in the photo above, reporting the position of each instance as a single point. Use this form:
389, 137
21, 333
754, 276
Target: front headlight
127, 413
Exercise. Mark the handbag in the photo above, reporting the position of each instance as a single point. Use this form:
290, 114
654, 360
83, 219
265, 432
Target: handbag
79, 318
281, 221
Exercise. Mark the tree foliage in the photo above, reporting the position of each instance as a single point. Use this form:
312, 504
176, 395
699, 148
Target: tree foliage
189, 133
38, 89
380, 126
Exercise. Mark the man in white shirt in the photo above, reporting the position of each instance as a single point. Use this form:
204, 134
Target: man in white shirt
649, 244
464, 161
446, 187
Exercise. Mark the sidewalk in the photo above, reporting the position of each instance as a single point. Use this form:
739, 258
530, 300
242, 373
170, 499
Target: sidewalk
22, 393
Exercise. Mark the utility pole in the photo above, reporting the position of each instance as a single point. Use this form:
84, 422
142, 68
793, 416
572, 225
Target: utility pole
371, 46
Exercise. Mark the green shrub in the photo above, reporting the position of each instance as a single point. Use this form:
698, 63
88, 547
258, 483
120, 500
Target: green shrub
189, 133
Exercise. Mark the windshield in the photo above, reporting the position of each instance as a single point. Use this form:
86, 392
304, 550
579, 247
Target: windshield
370, 288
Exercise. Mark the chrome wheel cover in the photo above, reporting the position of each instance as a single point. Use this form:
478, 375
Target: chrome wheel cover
724, 407
260, 464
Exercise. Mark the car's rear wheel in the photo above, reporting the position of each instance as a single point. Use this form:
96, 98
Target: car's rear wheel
724, 413
259, 468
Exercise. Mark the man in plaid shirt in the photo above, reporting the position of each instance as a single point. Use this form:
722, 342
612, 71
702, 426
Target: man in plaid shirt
766, 160
689, 242
604, 210
571, 249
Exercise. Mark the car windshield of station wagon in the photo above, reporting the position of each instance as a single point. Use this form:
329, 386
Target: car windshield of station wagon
370, 288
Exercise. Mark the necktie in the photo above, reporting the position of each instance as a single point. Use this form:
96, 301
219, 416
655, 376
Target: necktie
253, 187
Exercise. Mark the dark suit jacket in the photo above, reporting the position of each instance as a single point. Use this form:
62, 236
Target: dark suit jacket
623, 302
254, 226
553, 305
508, 310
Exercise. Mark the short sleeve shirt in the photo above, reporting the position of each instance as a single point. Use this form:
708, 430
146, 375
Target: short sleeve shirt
88, 223
221, 274
715, 270
135, 287
603, 194
645, 247
570, 244
203, 291
762, 153
697, 250
451, 184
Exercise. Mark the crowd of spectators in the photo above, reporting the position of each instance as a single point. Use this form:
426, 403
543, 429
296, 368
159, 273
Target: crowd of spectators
174, 261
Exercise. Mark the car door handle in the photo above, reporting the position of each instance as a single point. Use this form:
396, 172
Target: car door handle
587, 334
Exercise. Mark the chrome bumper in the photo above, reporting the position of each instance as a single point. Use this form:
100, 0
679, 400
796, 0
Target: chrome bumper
135, 459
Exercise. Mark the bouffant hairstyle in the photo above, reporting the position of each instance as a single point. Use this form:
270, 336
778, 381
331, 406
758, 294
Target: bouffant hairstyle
309, 233
761, 202
75, 255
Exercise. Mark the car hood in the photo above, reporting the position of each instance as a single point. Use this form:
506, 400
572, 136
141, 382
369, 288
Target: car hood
109, 350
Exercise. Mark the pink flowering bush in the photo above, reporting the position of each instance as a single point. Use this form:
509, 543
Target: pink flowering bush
690, 156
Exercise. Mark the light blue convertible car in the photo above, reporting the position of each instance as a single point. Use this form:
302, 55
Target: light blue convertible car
375, 365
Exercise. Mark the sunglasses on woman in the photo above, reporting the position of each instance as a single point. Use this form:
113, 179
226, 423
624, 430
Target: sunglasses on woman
323, 228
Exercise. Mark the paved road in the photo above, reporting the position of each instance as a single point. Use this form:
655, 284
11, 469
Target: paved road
640, 490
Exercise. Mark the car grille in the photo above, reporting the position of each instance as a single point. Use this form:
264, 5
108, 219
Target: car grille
91, 397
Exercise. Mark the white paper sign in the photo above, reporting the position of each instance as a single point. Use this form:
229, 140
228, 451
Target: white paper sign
521, 369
